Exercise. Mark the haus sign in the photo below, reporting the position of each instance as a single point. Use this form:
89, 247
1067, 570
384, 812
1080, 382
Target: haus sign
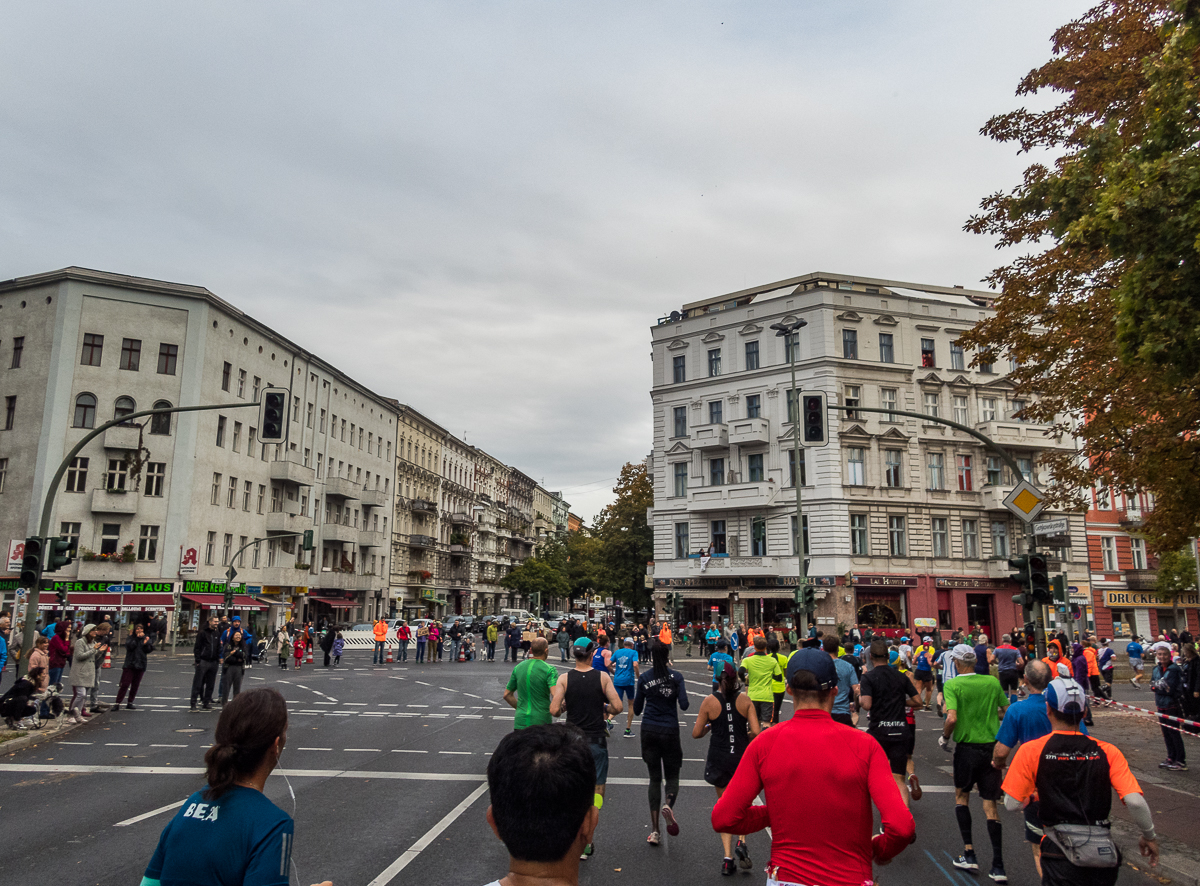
1187, 599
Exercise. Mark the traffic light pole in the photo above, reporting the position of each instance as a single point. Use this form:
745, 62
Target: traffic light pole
31, 607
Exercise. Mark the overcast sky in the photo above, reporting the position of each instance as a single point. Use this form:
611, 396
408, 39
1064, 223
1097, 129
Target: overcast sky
481, 208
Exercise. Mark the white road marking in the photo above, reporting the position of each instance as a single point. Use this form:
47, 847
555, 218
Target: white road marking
153, 812
407, 751
389, 873
363, 751
457, 753
168, 746
314, 749
454, 706
76, 742
416, 705
120, 744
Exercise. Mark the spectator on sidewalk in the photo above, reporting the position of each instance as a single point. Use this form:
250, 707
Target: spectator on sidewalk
403, 637
1167, 682
207, 655
1191, 685
137, 647
83, 671
380, 630
234, 660
60, 650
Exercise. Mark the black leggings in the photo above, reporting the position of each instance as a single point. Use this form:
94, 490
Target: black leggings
663, 757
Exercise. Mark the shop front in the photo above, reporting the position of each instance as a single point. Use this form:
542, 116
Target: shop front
896, 605
1122, 613
881, 602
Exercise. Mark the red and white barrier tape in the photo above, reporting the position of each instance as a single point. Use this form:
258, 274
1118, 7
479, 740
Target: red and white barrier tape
1160, 717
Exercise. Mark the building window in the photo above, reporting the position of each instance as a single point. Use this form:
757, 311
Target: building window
226, 548
247, 492
758, 537
85, 411
679, 414
715, 412
792, 395
970, 536
221, 430
1016, 410
237, 437
124, 407
853, 400
718, 537
858, 536
308, 416
1137, 547
168, 355
897, 538
753, 406
241, 385
77, 473
986, 366
679, 367
231, 498
117, 475
216, 490
262, 497
937, 470
892, 468
69, 532
995, 471
10, 412
1026, 466
226, 372
18, 350
209, 544
887, 352
856, 467
927, 353
131, 354
156, 472
681, 541
803, 535
752, 355
93, 346
243, 543
148, 543
999, 538
110, 536
957, 357
714, 362
850, 344
987, 408
716, 472
931, 404
963, 463
1103, 499
3, 472
277, 500
755, 465
941, 537
792, 468
791, 347
255, 388
887, 399
1108, 552
681, 476
960, 410
255, 553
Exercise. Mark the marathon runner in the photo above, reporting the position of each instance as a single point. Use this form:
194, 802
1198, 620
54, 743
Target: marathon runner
974, 705
761, 669
1009, 663
717, 661
586, 694
1136, 653
848, 686
884, 694
1073, 777
812, 764
624, 669
778, 683
530, 686
659, 691
922, 674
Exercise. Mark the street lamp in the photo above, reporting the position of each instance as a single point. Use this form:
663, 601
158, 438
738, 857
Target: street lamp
785, 331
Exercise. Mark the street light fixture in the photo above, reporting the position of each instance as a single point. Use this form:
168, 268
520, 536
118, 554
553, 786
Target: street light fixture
785, 331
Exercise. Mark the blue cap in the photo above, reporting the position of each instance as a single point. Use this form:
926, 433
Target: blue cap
815, 661
583, 642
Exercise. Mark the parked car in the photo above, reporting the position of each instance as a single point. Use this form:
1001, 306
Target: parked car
366, 627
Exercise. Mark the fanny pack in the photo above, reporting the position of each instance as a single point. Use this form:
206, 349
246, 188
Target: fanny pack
1085, 845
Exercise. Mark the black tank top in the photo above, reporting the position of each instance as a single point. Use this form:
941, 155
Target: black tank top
585, 704
729, 736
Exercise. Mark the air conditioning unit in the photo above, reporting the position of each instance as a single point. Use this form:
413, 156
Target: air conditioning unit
733, 546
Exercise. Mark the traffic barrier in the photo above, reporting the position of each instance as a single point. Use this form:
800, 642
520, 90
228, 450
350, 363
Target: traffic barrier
1194, 732
308, 657
390, 659
107, 658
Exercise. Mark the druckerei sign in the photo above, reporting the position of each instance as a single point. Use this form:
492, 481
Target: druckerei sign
1187, 600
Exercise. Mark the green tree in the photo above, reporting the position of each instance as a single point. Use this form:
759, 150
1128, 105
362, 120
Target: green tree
1176, 575
626, 543
536, 578
1102, 310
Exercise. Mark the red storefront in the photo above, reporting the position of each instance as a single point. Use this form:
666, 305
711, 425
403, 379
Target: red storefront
890, 603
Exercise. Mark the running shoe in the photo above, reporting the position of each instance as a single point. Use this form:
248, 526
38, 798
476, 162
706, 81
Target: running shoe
628, 733
914, 787
653, 838
742, 851
728, 868
997, 873
1177, 766
668, 815
967, 862
1165, 764
587, 852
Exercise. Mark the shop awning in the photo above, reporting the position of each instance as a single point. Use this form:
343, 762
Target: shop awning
111, 602
335, 602
217, 601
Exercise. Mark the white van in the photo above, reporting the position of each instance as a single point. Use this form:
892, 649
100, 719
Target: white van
518, 615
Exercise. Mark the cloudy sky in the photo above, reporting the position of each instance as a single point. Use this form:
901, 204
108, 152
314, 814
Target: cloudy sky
481, 208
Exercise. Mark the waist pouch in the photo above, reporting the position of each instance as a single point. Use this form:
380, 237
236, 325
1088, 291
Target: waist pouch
1085, 845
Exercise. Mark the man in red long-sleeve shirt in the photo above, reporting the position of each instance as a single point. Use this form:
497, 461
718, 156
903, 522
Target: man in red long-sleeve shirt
820, 778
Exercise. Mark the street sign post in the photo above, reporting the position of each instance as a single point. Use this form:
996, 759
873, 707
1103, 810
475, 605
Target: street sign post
1053, 526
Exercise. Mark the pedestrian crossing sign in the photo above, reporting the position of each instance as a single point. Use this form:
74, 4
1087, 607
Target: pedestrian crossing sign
1026, 501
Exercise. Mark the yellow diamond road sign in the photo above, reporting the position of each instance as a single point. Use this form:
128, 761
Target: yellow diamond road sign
1026, 501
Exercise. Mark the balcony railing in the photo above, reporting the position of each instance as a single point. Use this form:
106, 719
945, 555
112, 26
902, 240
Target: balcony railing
422, 542
122, 437
422, 506
289, 470
709, 436
105, 501
759, 494
339, 532
750, 430
374, 498
340, 487
460, 519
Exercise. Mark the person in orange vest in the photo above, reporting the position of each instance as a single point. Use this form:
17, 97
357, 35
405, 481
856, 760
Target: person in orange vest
664, 634
1093, 667
380, 629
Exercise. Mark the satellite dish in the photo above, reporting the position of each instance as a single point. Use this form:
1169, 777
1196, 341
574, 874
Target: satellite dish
675, 316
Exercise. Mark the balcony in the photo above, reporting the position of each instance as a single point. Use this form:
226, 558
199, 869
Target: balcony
485, 528
112, 572
1141, 579
282, 521
422, 506
760, 494
372, 539
289, 470
285, 576
339, 487
709, 437
422, 542
749, 430
460, 519
114, 501
346, 581
122, 437
1129, 519
338, 532
1019, 434
726, 565
374, 498
460, 550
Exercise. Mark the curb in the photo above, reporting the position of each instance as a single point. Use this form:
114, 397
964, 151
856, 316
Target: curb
1177, 863
37, 736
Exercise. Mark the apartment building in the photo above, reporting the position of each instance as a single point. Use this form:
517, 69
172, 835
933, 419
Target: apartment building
902, 518
164, 506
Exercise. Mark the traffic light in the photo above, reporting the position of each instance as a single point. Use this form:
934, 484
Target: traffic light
1021, 576
1039, 579
31, 563
272, 416
58, 554
308, 540
806, 597
1024, 600
61, 593
812, 419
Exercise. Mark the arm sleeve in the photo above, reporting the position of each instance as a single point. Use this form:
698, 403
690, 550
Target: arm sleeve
683, 696
734, 812
270, 861
1140, 812
899, 828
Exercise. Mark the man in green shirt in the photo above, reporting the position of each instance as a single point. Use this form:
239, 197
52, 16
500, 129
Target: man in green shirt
530, 686
975, 703
762, 670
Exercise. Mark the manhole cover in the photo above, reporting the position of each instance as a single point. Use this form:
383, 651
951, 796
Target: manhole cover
189, 730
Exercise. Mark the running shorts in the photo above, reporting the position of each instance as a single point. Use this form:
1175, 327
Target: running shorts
910, 743
973, 769
1136, 664
896, 753
718, 776
1010, 680
765, 711
625, 691
923, 676
600, 758
844, 719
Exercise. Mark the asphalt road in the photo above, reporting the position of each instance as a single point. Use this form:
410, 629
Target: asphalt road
388, 769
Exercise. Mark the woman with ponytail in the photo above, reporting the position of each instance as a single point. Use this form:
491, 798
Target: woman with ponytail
229, 833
